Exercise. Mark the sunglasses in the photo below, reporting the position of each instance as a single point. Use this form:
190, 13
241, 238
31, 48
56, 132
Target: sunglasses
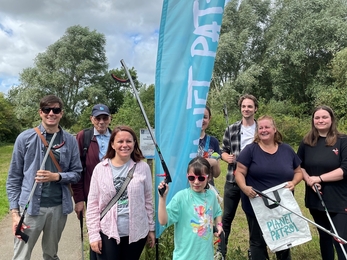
103, 118
47, 110
200, 178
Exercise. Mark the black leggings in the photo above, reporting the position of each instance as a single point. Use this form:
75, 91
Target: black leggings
326, 241
122, 251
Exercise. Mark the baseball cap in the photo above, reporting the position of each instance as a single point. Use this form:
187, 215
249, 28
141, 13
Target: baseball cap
100, 109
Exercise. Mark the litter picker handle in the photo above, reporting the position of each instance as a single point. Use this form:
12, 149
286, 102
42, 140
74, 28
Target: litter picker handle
19, 232
319, 195
167, 178
225, 112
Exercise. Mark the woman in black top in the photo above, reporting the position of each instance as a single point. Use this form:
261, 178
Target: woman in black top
323, 153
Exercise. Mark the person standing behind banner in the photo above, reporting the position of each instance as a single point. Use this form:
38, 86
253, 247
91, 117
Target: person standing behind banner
265, 163
51, 202
209, 147
323, 152
92, 143
235, 138
193, 211
124, 230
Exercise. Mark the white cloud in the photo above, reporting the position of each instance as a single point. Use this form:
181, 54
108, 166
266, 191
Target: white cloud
29, 27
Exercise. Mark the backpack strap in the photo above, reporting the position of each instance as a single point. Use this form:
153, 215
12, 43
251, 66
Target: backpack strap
88, 135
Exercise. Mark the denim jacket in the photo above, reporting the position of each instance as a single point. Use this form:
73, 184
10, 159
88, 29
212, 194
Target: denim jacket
28, 154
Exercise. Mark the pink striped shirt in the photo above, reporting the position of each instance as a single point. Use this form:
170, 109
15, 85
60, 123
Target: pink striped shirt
102, 190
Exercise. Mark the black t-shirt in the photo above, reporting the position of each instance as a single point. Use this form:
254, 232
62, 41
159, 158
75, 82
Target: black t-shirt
321, 159
51, 191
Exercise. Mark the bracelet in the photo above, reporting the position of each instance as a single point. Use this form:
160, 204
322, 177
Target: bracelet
320, 179
14, 211
220, 224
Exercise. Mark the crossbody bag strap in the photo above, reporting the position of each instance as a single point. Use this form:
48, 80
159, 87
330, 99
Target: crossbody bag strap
50, 152
52, 155
119, 193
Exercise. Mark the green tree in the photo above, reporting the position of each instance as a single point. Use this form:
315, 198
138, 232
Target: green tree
70, 66
130, 112
302, 39
9, 125
241, 45
335, 95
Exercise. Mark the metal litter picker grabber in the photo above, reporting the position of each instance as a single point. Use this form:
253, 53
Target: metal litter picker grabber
19, 231
338, 238
330, 220
163, 163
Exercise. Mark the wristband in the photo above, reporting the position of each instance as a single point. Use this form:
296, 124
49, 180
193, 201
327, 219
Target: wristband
220, 224
320, 179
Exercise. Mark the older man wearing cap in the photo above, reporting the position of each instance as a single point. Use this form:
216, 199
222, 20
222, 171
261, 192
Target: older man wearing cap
92, 143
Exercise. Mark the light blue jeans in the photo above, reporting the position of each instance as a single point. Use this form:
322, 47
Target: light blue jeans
51, 223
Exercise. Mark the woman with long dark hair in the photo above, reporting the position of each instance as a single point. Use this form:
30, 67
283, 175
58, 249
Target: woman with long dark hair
124, 230
323, 153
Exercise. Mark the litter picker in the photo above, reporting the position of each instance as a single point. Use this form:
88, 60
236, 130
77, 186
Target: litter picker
330, 220
19, 231
163, 164
221, 252
339, 239
81, 226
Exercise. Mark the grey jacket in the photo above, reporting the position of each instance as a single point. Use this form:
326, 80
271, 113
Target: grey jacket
26, 160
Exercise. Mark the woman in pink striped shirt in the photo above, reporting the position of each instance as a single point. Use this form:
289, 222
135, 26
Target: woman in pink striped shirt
124, 230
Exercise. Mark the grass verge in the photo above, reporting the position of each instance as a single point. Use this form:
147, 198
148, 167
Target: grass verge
5, 158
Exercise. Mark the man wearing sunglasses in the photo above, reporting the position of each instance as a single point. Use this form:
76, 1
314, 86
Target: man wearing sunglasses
50, 203
92, 143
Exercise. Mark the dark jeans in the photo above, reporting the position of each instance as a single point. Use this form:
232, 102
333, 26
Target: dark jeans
232, 195
326, 241
122, 251
257, 243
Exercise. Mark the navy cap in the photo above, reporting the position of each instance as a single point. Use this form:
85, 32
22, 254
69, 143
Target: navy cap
100, 109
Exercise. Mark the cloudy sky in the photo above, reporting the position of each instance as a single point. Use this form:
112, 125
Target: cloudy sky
28, 27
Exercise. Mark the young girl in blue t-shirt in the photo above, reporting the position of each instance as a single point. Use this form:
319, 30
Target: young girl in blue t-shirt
193, 211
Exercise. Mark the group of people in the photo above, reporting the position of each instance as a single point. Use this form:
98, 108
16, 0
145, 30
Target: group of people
102, 165
91, 168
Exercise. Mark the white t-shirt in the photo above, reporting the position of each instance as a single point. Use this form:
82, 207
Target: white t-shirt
247, 135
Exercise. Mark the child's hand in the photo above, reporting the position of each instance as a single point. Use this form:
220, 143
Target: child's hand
219, 231
162, 185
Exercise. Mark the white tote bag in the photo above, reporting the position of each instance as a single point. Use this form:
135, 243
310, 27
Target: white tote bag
281, 228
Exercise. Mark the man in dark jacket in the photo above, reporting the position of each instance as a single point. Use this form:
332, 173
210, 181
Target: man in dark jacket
98, 138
